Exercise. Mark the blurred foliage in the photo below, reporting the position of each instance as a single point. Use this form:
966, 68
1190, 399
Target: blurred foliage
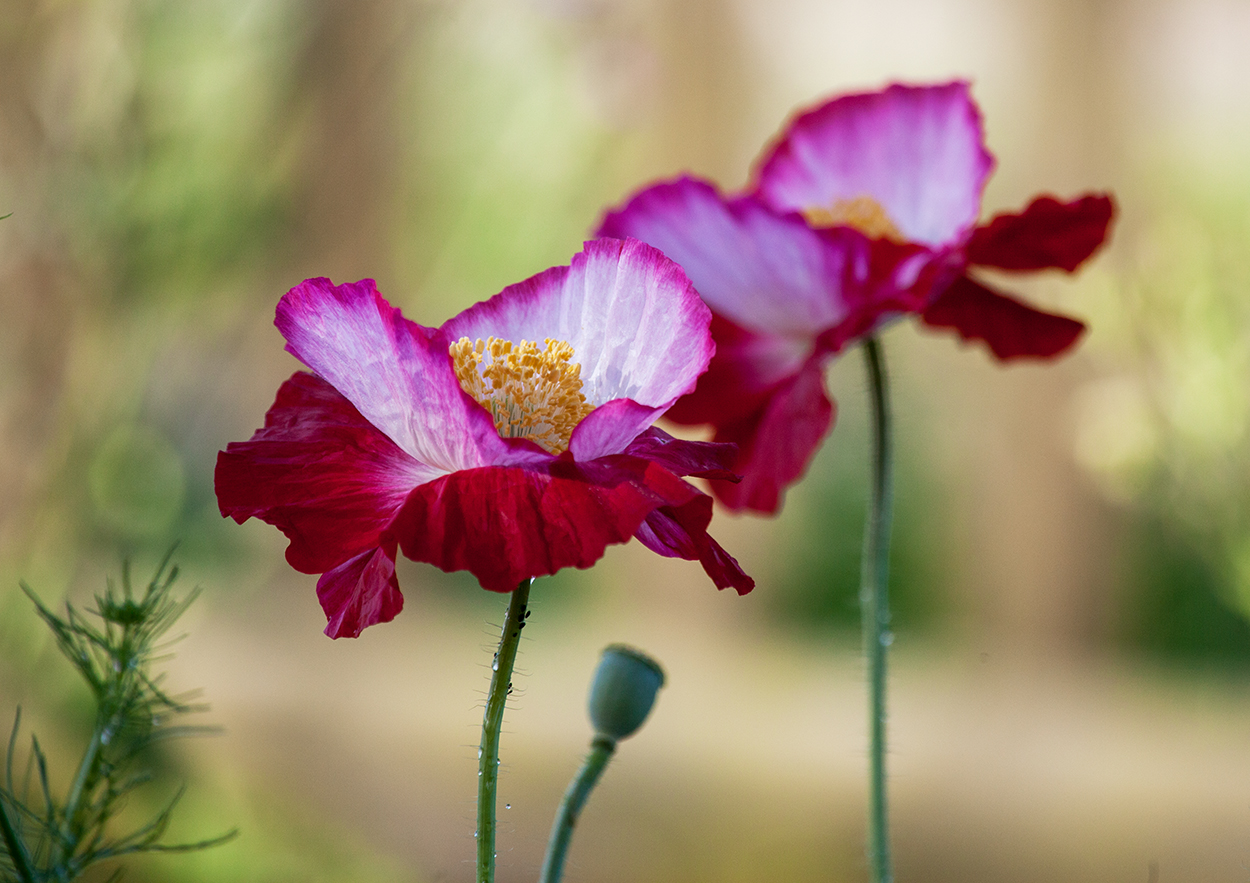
169, 129
819, 583
150, 155
279, 842
505, 164
136, 481
45, 838
1166, 430
1175, 603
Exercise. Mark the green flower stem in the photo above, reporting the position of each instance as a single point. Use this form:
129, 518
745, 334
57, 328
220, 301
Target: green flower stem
492, 721
601, 749
875, 609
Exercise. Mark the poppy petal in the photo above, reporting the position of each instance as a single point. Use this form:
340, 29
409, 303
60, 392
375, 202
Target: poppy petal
637, 327
398, 374
610, 428
320, 473
745, 371
764, 270
918, 151
360, 592
1048, 233
682, 457
504, 524
1011, 329
777, 443
681, 532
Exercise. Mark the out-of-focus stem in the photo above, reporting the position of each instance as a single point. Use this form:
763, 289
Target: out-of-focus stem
875, 609
601, 750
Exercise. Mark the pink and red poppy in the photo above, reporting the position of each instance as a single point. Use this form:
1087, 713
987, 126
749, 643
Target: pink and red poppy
474, 447
865, 208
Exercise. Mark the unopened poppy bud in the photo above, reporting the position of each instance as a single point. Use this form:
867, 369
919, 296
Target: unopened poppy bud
623, 691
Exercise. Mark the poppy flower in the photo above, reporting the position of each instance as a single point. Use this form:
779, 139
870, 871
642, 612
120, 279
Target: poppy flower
865, 208
475, 447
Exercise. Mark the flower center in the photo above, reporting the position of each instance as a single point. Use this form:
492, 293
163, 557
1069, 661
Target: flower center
863, 213
530, 393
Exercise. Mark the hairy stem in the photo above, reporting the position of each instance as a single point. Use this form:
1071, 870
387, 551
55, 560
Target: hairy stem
601, 750
492, 721
875, 609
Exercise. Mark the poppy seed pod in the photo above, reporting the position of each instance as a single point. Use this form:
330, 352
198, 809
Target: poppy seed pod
623, 691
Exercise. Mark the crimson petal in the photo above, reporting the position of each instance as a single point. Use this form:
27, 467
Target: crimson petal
319, 472
1011, 329
504, 524
681, 532
360, 592
683, 457
1048, 233
777, 443
743, 373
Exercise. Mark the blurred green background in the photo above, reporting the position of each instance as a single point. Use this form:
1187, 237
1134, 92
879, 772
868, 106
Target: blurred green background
1072, 550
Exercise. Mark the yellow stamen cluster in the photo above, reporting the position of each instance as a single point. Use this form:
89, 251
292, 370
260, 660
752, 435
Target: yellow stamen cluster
530, 393
863, 213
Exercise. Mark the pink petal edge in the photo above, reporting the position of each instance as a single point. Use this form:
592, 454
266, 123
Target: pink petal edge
762, 269
397, 373
919, 151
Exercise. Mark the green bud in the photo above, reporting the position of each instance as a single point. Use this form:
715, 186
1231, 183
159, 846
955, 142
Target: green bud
623, 691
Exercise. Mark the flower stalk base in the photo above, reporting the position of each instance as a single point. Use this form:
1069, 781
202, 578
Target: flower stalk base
492, 723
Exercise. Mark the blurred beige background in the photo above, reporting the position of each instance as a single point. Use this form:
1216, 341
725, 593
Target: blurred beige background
1072, 554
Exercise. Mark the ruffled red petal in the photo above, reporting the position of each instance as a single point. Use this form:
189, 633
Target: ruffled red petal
681, 532
506, 524
885, 279
1012, 329
777, 443
683, 457
360, 592
1048, 233
319, 472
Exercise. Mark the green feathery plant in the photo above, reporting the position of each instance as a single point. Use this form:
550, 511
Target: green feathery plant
46, 839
